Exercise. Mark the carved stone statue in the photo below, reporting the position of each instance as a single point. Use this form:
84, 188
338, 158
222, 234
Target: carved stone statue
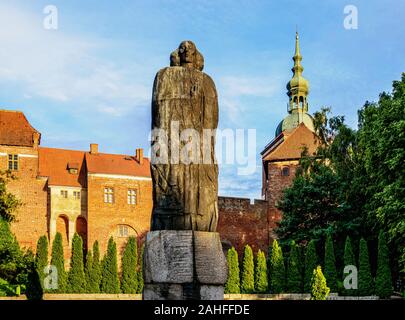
185, 194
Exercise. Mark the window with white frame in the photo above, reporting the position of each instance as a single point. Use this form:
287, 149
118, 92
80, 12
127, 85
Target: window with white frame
64, 194
76, 195
131, 196
122, 230
108, 195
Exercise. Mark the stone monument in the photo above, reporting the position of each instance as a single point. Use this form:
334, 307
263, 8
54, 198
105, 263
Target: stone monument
183, 257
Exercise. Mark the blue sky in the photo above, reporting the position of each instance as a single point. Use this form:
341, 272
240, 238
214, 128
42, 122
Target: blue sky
91, 79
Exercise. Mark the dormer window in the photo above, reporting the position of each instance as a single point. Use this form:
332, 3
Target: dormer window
73, 167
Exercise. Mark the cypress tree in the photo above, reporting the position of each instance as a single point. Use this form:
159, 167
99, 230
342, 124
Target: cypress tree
129, 280
140, 270
294, 278
41, 259
277, 269
247, 279
76, 278
233, 282
88, 270
95, 276
383, 282
319, 288
58, 261
109, 279
311, 262
261, 281
348, 259
365, 278
330, 264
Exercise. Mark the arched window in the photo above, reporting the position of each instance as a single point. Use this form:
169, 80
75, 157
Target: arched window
285, 172
302, 102
62, 226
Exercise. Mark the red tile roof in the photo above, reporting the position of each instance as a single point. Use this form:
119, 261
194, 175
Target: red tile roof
15, 130
117, 164
53, 163
292, 144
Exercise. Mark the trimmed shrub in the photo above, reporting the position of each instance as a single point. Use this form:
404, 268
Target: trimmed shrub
277, 269
294, 278
365, 285
76, 278
330, 264
233, 282
311, 262
348, 259
247, 278
57, 259
95, 276
129, 280
88, 270
319, 289
261, 282
140, 270
109, 276
41, 258
383, 282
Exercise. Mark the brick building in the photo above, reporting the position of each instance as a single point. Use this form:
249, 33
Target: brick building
95, 194
100, 195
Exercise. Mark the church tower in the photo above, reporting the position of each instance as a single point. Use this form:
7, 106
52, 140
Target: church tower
295, 132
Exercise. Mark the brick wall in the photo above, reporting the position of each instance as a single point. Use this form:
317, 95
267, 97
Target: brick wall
32, 219
104, 218
241, 223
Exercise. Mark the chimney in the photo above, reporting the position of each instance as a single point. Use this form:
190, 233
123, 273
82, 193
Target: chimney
139, 156
36, 137
93, 148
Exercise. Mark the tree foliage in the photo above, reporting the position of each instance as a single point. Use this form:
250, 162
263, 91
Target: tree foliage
319, 288
9, 203
129, 279
261, 281
88, 270
140, 272
311, 261
294, 276
365, 285
41, 258
330, 265
109, 276
58, 260
383, 282
233, 282
277, 269
95, 276
76, 277
247, 277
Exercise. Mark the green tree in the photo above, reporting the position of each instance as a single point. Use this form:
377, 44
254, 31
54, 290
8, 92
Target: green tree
330, 264
76, 277
311, 261
247, 277
383, 282
294, 278
319, 289
348, 260
140, 270
365, 284
88, 270
233, 282
129, 280
41, 258
261, 281
58, 260
277, 269
9, 203
95, 276
109, 276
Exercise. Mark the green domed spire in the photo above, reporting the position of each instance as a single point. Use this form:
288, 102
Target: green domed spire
298, 86
298, 89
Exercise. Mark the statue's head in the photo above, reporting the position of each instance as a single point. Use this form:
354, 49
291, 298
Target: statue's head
187, 55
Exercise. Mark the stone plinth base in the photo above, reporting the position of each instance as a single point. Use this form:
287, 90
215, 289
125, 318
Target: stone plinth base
184, 265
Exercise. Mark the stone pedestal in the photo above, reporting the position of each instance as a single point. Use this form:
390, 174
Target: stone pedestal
184, 265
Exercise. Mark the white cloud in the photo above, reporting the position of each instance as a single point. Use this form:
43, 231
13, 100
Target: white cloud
64, 68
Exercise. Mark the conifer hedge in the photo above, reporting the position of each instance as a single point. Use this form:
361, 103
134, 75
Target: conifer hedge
247, 277
261, 281
311, 262
41, 259
76, 277
365, 285
294, 278
129, 280
330, 264
109, 275
233, 282
277, 269
58, 260
383, 282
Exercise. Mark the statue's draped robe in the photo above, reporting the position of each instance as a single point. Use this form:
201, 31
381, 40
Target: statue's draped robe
185, 195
